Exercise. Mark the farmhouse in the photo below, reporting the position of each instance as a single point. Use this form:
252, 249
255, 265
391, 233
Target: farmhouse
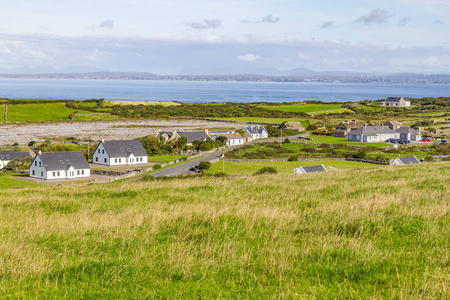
122, 152
247, 137
394, 125
8, 155
292, 126
233, 138
372, 134
60, 165
409, 134
396, 102
400, 161
191, 136
257, 131
311, 169
345, 127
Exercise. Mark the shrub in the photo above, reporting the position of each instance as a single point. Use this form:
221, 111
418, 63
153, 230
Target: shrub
157, 166
293, 158
266, 170
204, 165
286, 141
429, 158
360, 154
31, 143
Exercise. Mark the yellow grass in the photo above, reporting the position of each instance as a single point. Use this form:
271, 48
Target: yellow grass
145, 103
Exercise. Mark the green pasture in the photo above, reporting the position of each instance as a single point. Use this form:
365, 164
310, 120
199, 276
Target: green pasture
95, 117
8, 180
165, 158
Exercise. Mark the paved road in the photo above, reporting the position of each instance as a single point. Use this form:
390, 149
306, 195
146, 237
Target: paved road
188, 167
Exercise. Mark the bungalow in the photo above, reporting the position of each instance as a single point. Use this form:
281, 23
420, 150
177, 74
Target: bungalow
292, 126
257, 131
345, 127
233, 138
191, 136
396, 102
311, 169
372, 134
60, 165
8, 155
122, 152
409, 134
400, 161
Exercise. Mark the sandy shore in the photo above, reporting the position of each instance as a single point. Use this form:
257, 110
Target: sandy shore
23, 133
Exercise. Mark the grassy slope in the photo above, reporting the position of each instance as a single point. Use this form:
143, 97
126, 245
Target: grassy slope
39, 112
8, 181
320, 236
165, 158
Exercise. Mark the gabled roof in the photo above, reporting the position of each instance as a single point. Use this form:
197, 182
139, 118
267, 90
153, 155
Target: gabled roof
372, 130
246, 134
55, 161
255, 129
408, 160
168, 133
312, 169
293, 125
231, 136
395, 99
393, 123
194, 135
406, 130
349, 125
123, 148
10, 154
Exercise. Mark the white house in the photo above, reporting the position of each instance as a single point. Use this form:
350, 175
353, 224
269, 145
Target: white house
8, 155
409, 134
400, 161
60, 165
396, 102
310, 169
257, 131
372, 134
234, 138
117, 153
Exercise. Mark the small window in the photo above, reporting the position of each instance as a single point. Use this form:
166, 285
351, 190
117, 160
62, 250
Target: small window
58, 173
103, 151
121, 149
78, 172
61, 162
105, 160
82, 172
39, 164
120, 160
96, 159
33, 172
98, 151
35, 163
53, 174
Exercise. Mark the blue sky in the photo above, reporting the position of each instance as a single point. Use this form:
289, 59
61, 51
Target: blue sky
220, 37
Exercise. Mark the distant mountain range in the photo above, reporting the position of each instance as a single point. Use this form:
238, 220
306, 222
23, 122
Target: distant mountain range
266, 74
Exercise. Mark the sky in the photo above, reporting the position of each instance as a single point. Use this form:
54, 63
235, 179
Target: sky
172, 37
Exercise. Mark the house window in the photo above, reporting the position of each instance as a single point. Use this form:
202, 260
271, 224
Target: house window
78, 172
115, 160
39, 164
35, 163
96, 159
98, 151
33, 173
53, 174
103, 151
105, 160
82, 172
58, 173
120, 160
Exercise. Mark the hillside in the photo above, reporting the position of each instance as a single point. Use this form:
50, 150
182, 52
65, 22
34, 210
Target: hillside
377, 233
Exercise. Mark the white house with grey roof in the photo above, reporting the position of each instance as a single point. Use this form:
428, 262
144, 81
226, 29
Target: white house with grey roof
191, 136
257, 131
60, 165
400, 161
396, 102
233, 138
310, 169
409, 134
119, 153
372, 134
8, 155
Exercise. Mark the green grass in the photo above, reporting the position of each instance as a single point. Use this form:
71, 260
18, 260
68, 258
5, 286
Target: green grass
317, 236
38, 112
338, 140
284, 167
95, 117
312, 109
8, 181
87, 104
165, 158
2, 111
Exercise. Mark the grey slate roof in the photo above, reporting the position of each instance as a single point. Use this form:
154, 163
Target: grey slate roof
395, 99
55, 161
10, 154
255, 129
372, 130
124, 148
406, 130
312, 169
409, 160
194, 136
231, 136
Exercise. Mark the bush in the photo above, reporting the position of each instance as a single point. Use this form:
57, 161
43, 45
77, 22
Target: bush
204, 165
286, 141
293, 158
156, 167
360, 154
429, 158
266, 170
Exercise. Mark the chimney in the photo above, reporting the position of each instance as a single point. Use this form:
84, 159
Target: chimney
206, 131
39, 152
103, 140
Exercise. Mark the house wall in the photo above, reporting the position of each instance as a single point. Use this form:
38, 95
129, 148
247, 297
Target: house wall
36, 168
233, 142
3, 163
100, 156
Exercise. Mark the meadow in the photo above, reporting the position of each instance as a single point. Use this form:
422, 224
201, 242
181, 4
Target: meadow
311, 109
8, 181
378, 233
39, 112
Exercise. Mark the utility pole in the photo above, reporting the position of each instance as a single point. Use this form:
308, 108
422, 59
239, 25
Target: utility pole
89, 139
223, 162
281, 137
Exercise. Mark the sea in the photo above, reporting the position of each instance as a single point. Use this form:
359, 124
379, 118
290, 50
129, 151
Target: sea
209, 91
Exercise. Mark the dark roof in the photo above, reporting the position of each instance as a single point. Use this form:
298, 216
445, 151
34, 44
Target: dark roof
10, 154
55, 161
255, 129
312, 169
124, 148
194, 136
349, 125
168, 133
409, 160
406, 130
372, 130
395, 99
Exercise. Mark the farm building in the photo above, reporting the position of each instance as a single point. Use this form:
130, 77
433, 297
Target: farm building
191, 136
400, 161
311, 169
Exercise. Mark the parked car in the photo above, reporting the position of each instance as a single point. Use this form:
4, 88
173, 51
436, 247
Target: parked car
426, 140
390, 140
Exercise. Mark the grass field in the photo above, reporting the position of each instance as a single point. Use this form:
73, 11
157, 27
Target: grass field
95, 117
317, 236
2, 111
284, 167
8, 181
39, 112
312, 109
165, 158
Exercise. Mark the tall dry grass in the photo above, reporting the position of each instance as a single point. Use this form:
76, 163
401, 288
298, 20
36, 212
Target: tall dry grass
378, 233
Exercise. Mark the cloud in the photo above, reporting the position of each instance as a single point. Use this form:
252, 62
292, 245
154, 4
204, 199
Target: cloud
378, 15
327, 24
432, 61
107, 24
404, 21
97, 55
437, 21
207, 24
249, 57
270, 19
